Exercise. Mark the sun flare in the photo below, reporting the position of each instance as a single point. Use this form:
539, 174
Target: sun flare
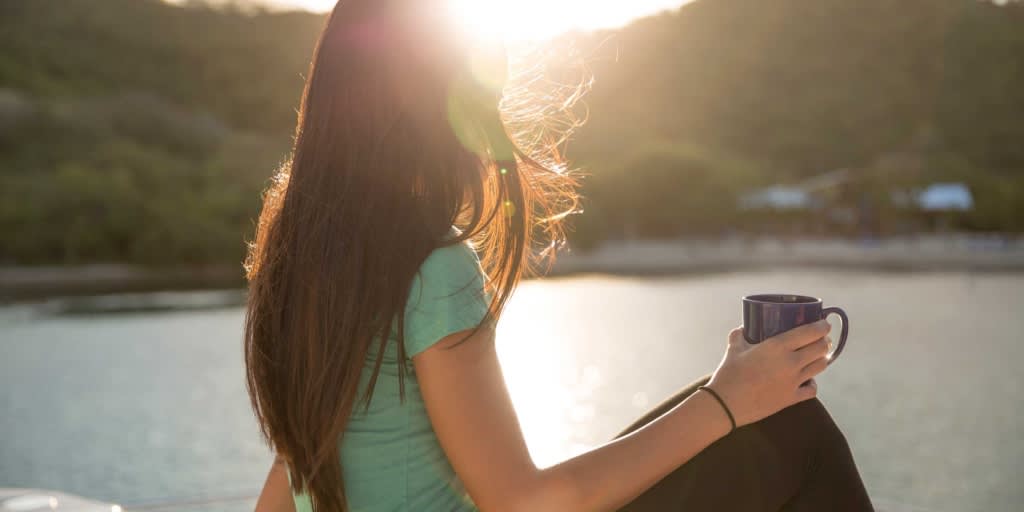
524, 20
505, 20
538, 19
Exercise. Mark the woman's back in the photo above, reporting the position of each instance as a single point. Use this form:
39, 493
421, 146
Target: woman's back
390, 456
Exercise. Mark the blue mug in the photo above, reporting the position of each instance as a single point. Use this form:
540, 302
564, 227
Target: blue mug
767, 315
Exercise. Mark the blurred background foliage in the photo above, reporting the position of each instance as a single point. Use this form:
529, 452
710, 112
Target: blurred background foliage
136, 131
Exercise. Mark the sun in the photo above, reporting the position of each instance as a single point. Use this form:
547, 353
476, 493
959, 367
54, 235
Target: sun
527, 20
524, 20
510, 20
495, 19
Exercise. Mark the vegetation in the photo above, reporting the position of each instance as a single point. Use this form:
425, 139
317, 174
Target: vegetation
139, 131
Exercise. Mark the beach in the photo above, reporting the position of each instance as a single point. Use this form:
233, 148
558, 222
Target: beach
973, 253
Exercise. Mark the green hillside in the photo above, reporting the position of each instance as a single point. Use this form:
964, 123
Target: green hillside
137, 131
901, 92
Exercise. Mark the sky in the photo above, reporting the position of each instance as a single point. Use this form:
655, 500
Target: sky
531, 19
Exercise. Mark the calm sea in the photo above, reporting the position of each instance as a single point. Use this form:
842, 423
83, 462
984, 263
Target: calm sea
150, 409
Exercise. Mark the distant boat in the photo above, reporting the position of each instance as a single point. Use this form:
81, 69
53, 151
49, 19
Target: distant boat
37, 500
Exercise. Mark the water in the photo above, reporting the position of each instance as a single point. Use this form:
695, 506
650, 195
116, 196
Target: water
148, 408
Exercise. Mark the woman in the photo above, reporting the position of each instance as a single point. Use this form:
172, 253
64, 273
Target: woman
369, 337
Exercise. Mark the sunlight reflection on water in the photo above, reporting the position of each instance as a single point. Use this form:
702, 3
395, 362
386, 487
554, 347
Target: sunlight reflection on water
928, 391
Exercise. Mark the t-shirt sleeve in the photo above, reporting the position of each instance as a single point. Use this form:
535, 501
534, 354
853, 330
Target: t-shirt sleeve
447, 296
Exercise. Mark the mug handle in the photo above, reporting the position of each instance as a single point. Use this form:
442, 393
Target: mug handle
842, 334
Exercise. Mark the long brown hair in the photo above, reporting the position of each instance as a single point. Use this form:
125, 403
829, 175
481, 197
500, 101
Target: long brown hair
397, 141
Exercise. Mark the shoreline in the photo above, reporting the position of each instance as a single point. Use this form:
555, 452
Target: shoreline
919, 254
44, 282
627, 258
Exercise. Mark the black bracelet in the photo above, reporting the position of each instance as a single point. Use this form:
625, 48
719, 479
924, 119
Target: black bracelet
722, 402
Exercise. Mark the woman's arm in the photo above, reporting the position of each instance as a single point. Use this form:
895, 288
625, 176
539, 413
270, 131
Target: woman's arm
277, 494
472, 414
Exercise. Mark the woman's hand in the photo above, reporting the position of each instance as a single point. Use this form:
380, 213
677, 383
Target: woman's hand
756, 381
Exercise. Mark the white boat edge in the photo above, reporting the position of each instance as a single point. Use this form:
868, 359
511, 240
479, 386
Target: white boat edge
38, 500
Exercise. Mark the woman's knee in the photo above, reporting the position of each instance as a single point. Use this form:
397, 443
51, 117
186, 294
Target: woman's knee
806, 427
809, 413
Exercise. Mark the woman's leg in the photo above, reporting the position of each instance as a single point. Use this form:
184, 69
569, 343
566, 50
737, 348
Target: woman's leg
796, 460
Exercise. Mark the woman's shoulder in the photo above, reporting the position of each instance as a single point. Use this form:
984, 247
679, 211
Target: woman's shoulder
457, 258
450, 272
447, 296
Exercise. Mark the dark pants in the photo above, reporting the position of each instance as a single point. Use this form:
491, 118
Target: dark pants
795, 460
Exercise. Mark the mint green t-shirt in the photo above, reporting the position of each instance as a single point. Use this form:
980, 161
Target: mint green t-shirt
391, 459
